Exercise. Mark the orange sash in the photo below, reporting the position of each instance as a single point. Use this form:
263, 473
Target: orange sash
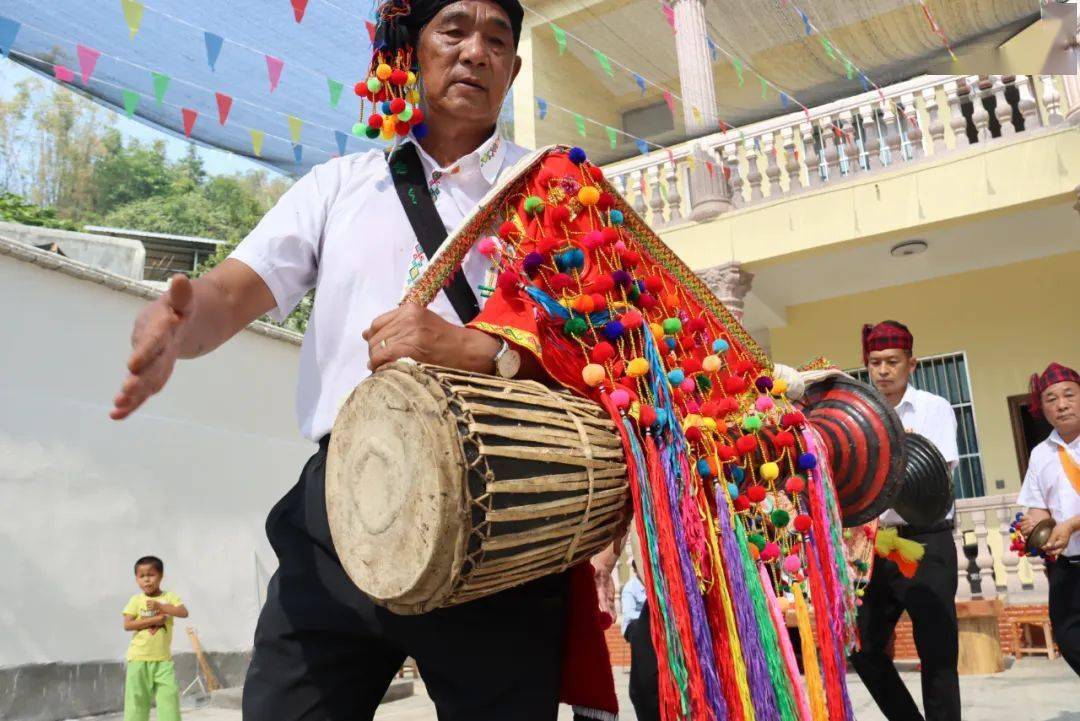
1072, 470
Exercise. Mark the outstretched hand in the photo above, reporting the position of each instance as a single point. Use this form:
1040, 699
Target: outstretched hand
155, 346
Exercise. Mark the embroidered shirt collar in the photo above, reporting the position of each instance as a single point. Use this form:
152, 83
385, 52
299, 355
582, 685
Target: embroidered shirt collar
488, 158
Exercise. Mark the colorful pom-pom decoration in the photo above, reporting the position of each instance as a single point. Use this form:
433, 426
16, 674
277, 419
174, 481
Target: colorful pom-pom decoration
720, 345
647, 416
588, 196
769, 471
771, 552
508, 280
593, 374
806, 461
575, 326
613, 330
637, 367
802, 523
756, 493
703, 468
602, 352
751, 423
534, 205
792, 564
794, 485
577, 156
745, 444
672, 326
711, 363
737, 473
779, 518
733, 490
763, 403
488, 246
621, 398
616, 217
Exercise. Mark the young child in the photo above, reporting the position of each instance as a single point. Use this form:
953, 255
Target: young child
150, 673
1052, 490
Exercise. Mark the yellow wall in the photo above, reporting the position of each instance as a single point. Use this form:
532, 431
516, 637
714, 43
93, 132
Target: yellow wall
1011, 321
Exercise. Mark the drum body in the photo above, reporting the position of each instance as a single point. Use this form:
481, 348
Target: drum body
444, 486
865, 442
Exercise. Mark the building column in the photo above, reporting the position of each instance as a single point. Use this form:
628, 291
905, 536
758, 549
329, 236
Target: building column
695, 66
1072, 98
709, 195
729, 283
524, 91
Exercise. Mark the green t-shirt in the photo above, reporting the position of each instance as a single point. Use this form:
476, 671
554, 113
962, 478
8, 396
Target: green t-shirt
151, 644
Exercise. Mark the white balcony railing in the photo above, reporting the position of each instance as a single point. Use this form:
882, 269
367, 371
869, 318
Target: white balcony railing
1001, 573
903, 124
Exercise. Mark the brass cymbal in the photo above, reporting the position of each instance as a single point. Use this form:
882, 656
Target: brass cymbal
1039, 535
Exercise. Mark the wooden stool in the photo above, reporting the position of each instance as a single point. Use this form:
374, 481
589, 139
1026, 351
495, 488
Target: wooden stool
1021, 629
980, 643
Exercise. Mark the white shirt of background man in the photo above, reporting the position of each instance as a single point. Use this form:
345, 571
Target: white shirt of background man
931, 416
632, 601
1046, 485
341, 230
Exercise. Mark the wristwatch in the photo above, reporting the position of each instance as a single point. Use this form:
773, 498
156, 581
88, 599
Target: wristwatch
507, 361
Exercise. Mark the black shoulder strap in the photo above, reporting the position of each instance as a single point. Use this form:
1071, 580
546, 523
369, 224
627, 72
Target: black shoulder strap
415, 196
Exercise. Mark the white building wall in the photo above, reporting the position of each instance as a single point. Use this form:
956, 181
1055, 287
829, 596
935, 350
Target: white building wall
189, 478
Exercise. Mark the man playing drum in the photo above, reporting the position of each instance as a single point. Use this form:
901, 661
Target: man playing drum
928, 597
323, 650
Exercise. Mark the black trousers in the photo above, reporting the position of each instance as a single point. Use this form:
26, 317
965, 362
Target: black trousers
1064, 580
644, 672
325, 652
929, 599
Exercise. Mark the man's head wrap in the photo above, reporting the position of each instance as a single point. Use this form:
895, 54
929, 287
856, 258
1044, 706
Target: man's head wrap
1054, 373
886, 335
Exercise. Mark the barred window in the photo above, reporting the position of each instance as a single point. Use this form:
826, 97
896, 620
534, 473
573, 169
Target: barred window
947, 376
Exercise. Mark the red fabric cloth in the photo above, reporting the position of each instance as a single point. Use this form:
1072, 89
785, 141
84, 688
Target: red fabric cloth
586, 672
885, 336
1054, 373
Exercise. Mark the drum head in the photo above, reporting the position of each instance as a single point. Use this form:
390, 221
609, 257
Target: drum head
393, 489
865, 441
927, 492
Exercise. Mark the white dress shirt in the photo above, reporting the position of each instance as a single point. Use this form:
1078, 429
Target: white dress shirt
633, 598
1046, 486
341, 230
931, 416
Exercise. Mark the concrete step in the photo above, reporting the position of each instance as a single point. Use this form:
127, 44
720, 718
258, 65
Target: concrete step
232, 698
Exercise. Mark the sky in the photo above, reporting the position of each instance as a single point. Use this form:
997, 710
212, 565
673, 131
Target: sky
217, 162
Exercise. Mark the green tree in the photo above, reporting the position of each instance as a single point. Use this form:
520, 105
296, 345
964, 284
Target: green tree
125, 173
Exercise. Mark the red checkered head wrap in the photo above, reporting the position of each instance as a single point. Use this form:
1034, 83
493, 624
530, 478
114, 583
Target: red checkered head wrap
1054, 373
885, 335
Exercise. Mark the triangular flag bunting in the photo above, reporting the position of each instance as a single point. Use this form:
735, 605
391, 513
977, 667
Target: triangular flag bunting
696, 113
298, 8
8, 30
612, 136
864, 82
643, 148
213, 47
131, 102
806, 22
828, 47
670, 156
849, 68
738, 69
710, 167
669, 15
663, 190
64, 74
670, 100
580, 122
298, 153
88, 58
764, 88
541, 105
273, 70
133, 11
691, 161
342, 139
335, 91
784, 99
224, 104
161, 84
370, 30
604, 63
295, 126
560, 37
640, 82
712, 48
189, 120
257, 141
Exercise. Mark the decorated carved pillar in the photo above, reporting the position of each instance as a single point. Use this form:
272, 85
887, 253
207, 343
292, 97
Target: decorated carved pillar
730, 283
695, 66
710, 194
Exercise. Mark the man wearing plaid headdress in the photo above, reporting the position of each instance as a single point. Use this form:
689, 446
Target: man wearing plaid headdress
1052, 490
928, 596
